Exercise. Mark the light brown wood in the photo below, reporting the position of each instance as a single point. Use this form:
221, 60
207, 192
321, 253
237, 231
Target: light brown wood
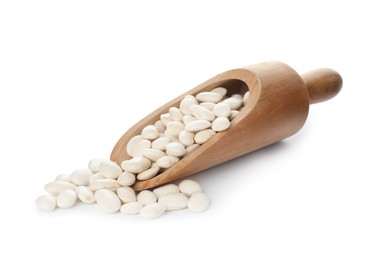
277, 108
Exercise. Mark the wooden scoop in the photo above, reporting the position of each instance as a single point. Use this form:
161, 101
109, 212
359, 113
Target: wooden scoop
277, 108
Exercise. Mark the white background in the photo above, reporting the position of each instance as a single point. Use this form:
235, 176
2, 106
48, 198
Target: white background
75, 75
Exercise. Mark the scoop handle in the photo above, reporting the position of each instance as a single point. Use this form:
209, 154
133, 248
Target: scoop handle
322, 84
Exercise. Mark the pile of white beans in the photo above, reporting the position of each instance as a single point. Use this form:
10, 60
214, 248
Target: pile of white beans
158, 147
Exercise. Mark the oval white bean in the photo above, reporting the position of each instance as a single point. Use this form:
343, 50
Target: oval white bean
126, 194
186, 103
136, 164
153, 154
191, 148
144, 144
166, 162
160, 126
132, 144
203, 136
150, 132
160, 143
126, 179
166, 189
198, 202
96, 176
46, 202
131, 208
188, 118
152, 211
222, 109
220, 90
148, 174
245, 98
174, 128
146, 197
209, 97
81, 176
174, 201
85, 194
63, 177
189, 187
94, 165
202, 113
234, 102
66, 199
108, 200
165, 119
56, 187
209, 105
109, 184
220, 124
175, 114
186, 138
175, 149
197, 125
110, 169
233, 114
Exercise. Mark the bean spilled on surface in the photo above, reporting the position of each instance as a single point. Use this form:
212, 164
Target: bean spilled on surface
158, 147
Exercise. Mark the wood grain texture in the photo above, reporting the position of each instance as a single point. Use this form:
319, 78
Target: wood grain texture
277, 108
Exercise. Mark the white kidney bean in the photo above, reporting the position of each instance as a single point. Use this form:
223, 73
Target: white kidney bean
132, 144
108, 200
222, 109
197, 125
209, 97
233, 114
46, 202
209, 105
110, 169
126, 194
126, 179
96, 176
56, 187
174, 201
174, 128
94, 165
189, 187
81, 176
186, 138
148, 174
160, 143
191, 148
136, 164
188, 118
144, 144
66, 199
160, 126
198, 202
109, 184
85, 194
175, 149
202, 113
131, 208
175, 114
153, 154
186, 103
220, 124
150, 132
152, 211
166, 162
234, 102
203, 136
166, 189
146, 197
220, 90
63, 177
165, 118
245, 98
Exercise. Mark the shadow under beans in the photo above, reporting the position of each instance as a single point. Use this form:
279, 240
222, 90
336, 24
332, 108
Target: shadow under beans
228, 169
